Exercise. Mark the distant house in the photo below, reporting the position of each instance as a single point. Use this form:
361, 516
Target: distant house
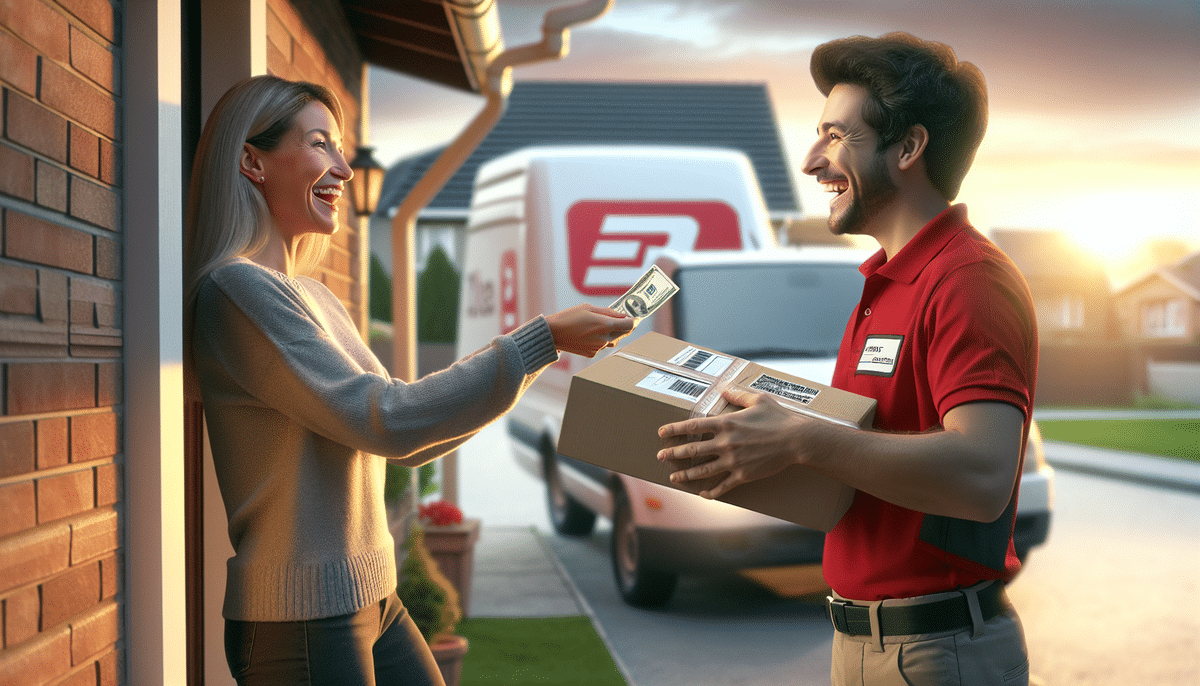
1077, 325
1159, 315
723, 115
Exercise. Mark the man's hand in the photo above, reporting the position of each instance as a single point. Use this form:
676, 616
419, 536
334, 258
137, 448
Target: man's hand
752, 443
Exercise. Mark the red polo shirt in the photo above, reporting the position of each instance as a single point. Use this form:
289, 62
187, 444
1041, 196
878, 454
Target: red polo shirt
947, 321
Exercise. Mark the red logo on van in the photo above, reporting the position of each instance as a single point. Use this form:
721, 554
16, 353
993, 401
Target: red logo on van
611, 243
508, 291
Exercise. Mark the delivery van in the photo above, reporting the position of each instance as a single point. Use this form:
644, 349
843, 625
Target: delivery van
551, 227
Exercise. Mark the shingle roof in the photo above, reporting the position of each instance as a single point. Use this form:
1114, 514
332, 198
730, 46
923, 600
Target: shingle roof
724, 115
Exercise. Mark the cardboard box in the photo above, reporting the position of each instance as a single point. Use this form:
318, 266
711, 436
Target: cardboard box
615, 407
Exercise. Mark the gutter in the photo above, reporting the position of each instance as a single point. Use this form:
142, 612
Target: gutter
477, 28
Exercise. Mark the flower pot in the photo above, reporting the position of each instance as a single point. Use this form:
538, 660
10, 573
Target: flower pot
449, 652
453, 549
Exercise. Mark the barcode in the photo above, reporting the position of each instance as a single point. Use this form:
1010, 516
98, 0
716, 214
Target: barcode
785, 389
687, 388
698, 359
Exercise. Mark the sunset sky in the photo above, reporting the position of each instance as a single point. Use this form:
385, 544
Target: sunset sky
1094, 104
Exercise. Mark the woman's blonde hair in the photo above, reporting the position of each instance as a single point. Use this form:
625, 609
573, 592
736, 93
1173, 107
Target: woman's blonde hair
226, 215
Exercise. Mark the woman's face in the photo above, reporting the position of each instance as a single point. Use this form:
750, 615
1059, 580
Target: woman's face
303, 177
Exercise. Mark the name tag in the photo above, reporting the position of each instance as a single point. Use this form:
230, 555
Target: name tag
879, 356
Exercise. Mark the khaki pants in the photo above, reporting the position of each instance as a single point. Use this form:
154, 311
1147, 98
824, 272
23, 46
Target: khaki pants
991, 652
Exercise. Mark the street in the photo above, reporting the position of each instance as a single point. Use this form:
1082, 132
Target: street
1109, 600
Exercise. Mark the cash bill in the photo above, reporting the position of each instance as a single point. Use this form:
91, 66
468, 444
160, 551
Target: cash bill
647, 295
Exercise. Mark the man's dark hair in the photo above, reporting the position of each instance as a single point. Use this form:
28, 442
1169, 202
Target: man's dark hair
913, 81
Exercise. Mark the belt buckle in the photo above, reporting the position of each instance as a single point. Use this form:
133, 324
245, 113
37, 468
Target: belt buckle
837, 613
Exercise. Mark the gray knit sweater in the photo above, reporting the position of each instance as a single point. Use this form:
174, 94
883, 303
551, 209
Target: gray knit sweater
298, 408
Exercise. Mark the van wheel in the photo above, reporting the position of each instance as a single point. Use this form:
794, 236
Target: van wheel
566, 514
639, 585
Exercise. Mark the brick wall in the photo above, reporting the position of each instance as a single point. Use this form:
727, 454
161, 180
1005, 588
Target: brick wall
295, 53
60, 343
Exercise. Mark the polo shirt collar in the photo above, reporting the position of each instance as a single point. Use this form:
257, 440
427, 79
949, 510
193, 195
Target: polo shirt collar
908, 264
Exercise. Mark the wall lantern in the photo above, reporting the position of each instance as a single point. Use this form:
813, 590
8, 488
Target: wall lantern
367, 182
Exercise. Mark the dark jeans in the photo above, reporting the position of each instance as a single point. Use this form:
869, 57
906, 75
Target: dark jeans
376, 645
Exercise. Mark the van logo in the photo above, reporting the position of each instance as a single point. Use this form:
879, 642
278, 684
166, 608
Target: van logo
612, 242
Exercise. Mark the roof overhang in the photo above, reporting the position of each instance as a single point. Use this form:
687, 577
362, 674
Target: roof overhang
449, 42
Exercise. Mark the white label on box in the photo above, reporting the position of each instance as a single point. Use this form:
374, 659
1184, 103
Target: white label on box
673, 385
785, 389
702, 361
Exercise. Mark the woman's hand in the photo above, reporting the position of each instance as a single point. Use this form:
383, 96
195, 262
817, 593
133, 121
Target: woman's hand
586, 329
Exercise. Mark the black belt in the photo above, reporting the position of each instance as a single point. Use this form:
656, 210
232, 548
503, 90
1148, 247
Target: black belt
951, 614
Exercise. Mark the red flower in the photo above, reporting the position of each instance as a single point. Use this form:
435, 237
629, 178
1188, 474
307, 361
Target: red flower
440, 513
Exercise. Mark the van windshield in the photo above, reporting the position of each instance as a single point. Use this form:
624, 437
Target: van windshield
767, 310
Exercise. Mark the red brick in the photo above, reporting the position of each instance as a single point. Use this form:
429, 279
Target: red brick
33, 240
108, 383
81, 677
277, 35
108, 669
42, 27
108, 258
35, 387
93, 60
18, 64
52, 443
94, 204
93, 436
36, 127
108, 485
78, 100
18, 507
63, 495
71, 593
22, 614
93, 303
17, 449
37, 662
18, 290
110, 163
53, 300
51, 186
95, 632
99, 15
84, 151
16, 173
93, 536
110, 577
32, 555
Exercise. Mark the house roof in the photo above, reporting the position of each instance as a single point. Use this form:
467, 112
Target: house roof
724, 115
1184, 276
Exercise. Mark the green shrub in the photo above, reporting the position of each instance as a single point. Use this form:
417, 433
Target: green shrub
427, 594
437, 300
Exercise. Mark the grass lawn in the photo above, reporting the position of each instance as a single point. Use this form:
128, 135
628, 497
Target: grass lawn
551, 650
1167, 437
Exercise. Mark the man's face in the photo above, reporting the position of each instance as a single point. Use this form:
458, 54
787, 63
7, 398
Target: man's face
847, 161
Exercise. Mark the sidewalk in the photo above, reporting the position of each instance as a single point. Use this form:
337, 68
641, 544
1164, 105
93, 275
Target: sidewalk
516, 576
1148, 469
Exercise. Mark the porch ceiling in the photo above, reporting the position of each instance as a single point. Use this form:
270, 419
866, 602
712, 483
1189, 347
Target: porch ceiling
444, 41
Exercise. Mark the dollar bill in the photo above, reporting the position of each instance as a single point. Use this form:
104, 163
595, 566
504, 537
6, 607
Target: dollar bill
647, 295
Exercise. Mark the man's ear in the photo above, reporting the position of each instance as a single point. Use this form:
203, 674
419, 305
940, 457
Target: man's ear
251, 163
912, 146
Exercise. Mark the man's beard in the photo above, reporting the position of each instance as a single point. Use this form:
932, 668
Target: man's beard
874, 192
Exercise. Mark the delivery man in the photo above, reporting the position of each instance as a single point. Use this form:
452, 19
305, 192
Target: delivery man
945, 340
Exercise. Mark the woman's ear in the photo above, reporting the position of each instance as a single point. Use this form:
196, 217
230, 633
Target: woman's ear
912, 147
251, 164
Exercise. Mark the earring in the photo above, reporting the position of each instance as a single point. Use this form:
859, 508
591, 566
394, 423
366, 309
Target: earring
262, 179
